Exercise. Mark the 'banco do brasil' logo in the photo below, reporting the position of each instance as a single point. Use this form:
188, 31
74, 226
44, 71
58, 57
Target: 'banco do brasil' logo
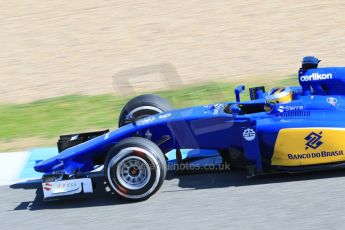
313, 140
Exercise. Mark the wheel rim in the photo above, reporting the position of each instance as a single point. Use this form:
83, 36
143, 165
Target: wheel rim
133, 172
123, 153
150, 110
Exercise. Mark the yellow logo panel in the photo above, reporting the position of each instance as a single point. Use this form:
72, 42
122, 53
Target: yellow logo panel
309, 146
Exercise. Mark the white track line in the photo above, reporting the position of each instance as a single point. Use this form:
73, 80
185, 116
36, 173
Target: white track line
11, 166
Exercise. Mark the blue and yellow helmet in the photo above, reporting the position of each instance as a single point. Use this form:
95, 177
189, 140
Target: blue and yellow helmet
278, 95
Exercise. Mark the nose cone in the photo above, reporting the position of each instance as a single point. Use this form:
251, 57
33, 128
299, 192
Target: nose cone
46, 165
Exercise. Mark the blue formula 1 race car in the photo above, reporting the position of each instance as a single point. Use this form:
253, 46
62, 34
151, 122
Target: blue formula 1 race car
288, 129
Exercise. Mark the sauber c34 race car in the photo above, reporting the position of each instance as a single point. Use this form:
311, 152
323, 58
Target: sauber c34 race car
288, 129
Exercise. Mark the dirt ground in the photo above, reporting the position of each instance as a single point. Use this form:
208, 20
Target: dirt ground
23, 144
53, 48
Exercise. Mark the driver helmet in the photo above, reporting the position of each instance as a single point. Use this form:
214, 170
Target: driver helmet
278, 95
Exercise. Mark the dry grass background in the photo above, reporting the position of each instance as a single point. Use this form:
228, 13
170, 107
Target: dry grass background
53, 48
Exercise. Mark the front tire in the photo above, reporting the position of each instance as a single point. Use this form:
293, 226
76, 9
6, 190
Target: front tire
135, 168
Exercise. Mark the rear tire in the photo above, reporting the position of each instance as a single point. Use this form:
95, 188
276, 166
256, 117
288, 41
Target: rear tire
135, 168
143, 106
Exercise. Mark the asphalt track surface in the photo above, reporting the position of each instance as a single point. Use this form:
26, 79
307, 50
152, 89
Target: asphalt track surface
224, 200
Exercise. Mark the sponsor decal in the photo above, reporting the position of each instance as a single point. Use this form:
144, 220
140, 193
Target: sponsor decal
47, 186
313, 140
60, 186
74, 137
249, 134
65, 185
147, 120
164, 115
281, 109
300, 156
286, 108
316, 77
331, 100
309, 146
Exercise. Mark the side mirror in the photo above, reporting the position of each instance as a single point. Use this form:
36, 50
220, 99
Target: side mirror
238, 90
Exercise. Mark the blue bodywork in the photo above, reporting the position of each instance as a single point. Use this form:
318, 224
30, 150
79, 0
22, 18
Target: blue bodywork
321, 95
